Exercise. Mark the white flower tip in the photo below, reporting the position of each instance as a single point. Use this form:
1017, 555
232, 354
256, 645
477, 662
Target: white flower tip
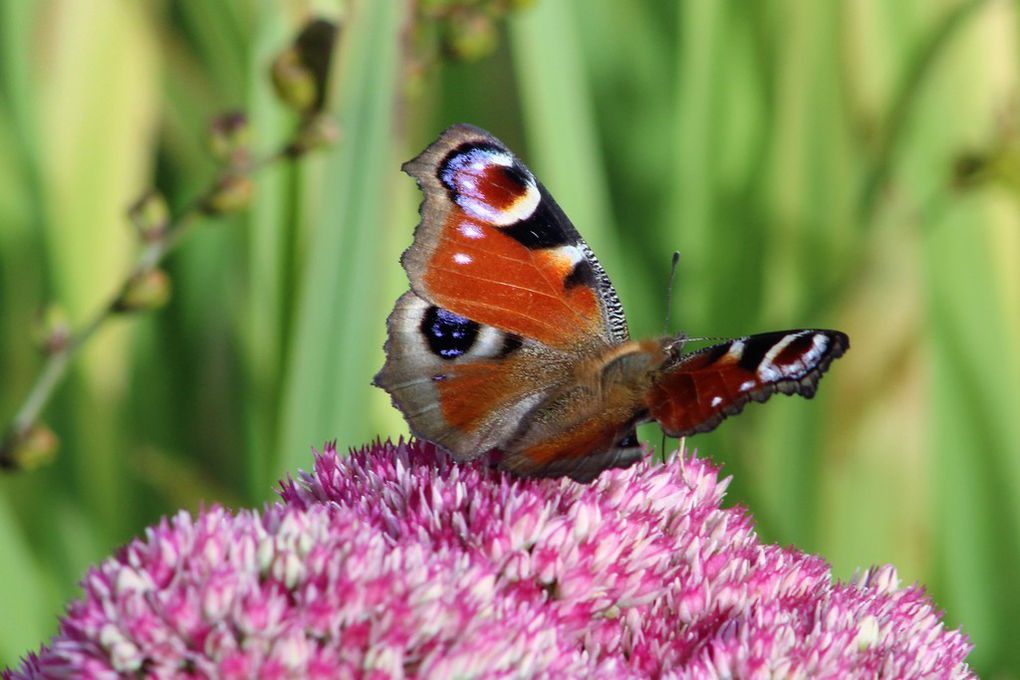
867, 632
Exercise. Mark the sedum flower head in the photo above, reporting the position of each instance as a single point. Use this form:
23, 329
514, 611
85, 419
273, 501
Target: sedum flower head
397, 562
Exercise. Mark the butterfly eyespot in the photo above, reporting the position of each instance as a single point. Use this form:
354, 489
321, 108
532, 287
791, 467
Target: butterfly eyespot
447, 334
790, 355
489, 184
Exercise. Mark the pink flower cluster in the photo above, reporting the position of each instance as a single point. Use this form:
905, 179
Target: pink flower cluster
397, 562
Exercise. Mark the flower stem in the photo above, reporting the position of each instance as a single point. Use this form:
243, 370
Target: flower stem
55, 368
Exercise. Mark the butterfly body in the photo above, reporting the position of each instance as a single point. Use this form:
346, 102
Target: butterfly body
513, 341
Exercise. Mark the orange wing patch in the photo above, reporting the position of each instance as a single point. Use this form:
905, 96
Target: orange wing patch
480, 272
595, 435
470, 393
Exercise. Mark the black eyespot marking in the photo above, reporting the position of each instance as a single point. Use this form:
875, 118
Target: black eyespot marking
581, 275
449, 335
518, 176
511, 343
546, 227
755, 349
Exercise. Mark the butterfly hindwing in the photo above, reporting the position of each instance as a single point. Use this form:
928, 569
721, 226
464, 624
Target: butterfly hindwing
473, 388
463, 385
697, 391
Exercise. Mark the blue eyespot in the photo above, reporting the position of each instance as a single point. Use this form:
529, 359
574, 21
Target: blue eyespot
448, 335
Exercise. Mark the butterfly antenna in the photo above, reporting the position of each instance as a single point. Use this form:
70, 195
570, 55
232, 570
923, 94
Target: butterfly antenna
665, 329
712, 338
669, 291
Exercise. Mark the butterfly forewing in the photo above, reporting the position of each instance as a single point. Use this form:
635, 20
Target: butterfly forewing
697, 391
494, 247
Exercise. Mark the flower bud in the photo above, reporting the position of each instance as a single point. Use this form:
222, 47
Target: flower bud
301, 72
150, 216
144, 291
30, 449
317, 132
295, 84
229, 138
969, 170
470, 37
232, 193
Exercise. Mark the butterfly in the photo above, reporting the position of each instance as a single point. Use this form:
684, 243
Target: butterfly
512, 341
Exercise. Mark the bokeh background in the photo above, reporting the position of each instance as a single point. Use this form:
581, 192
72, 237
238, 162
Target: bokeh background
851, 164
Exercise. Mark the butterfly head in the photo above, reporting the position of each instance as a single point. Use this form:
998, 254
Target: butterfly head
673, 347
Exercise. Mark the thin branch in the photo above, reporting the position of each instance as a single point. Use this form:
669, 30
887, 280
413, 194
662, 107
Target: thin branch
175, 231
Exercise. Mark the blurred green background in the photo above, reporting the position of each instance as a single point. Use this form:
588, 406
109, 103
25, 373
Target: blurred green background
851, 164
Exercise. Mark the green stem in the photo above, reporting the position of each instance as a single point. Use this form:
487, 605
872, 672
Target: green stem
58, 361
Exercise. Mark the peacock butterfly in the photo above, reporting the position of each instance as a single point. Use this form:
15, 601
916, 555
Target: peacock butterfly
512, 340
